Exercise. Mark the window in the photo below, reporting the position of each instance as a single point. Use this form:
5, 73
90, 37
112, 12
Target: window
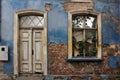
84, 39
32, 21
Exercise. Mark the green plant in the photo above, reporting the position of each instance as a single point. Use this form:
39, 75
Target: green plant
83, 47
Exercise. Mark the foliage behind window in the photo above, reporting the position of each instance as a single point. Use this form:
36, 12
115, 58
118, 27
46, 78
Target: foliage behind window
84, 35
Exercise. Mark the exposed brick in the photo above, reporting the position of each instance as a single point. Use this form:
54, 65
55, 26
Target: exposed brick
48, 7
96, 78
78, 6
57, 55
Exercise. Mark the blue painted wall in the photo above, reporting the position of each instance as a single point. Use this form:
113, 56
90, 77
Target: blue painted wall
109, 27
57, 22
0, 17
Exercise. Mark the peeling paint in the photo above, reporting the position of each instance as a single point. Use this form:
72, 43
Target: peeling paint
57, 54
117, 21
58, 33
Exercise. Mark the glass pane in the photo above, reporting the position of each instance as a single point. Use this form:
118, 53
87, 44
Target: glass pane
91, 43
90, 22
31, 18
82, 21
41, 21
78, 35
22, 20
84, 44
77, 21
77, 42
31, 21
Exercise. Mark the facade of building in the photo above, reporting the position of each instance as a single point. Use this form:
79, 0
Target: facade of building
60, 40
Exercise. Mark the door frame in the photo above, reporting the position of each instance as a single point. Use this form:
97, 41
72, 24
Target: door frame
16, 38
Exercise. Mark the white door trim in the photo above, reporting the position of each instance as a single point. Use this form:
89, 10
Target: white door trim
16, 38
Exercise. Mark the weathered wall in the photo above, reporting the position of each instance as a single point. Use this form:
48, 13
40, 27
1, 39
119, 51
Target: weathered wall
58, 55
57, 23
110, 21
57, 33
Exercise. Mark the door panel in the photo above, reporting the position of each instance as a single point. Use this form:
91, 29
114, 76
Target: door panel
37, 47
31, 51
25, 51
37, 51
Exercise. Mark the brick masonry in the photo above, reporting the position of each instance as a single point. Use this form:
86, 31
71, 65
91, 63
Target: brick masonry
58, 66
79, 6
57, 54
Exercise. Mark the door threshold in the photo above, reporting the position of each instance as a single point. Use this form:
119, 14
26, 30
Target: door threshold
31, 74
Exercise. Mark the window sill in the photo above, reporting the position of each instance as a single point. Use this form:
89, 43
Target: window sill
84, 59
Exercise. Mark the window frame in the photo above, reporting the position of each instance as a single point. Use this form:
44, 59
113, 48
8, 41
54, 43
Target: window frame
28, 17
70, 48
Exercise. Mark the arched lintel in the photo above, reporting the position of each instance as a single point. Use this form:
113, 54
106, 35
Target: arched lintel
85, 12
30, 12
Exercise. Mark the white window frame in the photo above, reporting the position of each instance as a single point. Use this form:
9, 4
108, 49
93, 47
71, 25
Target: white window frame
70, 49
16, 38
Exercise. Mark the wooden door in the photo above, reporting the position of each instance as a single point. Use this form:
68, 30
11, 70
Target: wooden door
37, 49
30, 51
25, 51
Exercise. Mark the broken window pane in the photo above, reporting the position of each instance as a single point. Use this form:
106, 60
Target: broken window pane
77, 37
90, 36
78, 21
91, 43
84, 21
84, 33
90, 22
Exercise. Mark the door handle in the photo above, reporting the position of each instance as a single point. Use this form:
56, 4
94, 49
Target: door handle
32, 52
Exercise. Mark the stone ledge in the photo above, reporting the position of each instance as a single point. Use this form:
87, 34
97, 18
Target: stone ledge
84, 59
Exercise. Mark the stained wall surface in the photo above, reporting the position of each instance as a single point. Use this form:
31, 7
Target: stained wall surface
58, 35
